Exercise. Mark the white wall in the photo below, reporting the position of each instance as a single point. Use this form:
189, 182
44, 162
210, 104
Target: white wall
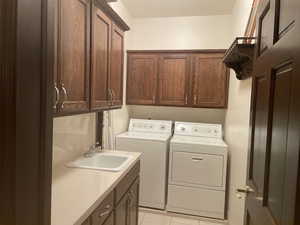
237, 121
200, 32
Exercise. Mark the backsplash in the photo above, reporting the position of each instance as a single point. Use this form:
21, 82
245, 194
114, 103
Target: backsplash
72, 136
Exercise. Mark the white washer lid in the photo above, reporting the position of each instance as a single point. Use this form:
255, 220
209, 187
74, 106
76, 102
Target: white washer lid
145, 136
182, 139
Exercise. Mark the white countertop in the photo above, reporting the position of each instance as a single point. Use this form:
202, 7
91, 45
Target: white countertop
76, 192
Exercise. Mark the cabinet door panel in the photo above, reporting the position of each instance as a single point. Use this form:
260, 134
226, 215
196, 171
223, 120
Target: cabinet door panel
142, 79
100, 59
133, 203
173, 80
121, 215
109, 221
73, 54
210, 81
116, 73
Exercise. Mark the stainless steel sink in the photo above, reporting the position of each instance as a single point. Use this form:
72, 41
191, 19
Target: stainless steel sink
102, 161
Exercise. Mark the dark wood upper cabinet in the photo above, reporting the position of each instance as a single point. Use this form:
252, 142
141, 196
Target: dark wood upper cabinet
73, 58
173, 81
142, 79
88, 73
209, 84
186, 78
126, 212
101, 42
116, 66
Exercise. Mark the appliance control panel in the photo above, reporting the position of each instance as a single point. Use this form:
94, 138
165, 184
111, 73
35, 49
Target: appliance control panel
198, 129
151, 126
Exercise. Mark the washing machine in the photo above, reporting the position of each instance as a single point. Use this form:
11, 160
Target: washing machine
198, 169
151, 138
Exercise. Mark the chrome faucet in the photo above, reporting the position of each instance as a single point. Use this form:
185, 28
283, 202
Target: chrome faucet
93, 150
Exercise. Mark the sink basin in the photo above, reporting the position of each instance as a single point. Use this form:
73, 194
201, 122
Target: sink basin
102, 161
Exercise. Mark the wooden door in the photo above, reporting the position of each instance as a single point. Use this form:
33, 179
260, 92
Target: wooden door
173, 79
142, 79
210, 81
273, 190
73, 59
101, 41
116, 66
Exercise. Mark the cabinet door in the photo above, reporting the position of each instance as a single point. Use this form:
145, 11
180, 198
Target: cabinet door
173, 79
100, 59
73, 59
121, 211
142, 79
133, 204
210, 81
116, 69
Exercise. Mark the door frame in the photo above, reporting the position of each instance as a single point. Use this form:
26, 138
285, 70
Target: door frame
26, 118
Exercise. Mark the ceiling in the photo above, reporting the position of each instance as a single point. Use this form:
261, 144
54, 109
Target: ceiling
178, 8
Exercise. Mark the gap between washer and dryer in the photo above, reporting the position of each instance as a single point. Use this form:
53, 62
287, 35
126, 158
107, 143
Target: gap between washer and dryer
158, 217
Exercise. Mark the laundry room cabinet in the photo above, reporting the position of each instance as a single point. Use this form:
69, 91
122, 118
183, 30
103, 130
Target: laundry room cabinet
142, 79
89, 56
173, 79
209, 81
72, 56
185, 78
120, 207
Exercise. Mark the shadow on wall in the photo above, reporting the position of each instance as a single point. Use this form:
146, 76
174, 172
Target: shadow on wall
72, 136
178, 114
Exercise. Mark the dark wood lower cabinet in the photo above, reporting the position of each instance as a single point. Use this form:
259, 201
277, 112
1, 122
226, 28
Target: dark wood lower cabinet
120, 207
133, 204
109, 221
126, 212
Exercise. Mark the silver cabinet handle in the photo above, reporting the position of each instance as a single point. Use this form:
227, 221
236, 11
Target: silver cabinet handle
186, 99
56, 96
197, 159
105, 212
113, 94
65, 95
110, 96
153, 98
195, 99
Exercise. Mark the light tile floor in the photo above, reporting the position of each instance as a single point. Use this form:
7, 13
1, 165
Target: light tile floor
152, 218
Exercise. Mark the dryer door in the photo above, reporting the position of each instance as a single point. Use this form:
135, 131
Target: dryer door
197, 169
